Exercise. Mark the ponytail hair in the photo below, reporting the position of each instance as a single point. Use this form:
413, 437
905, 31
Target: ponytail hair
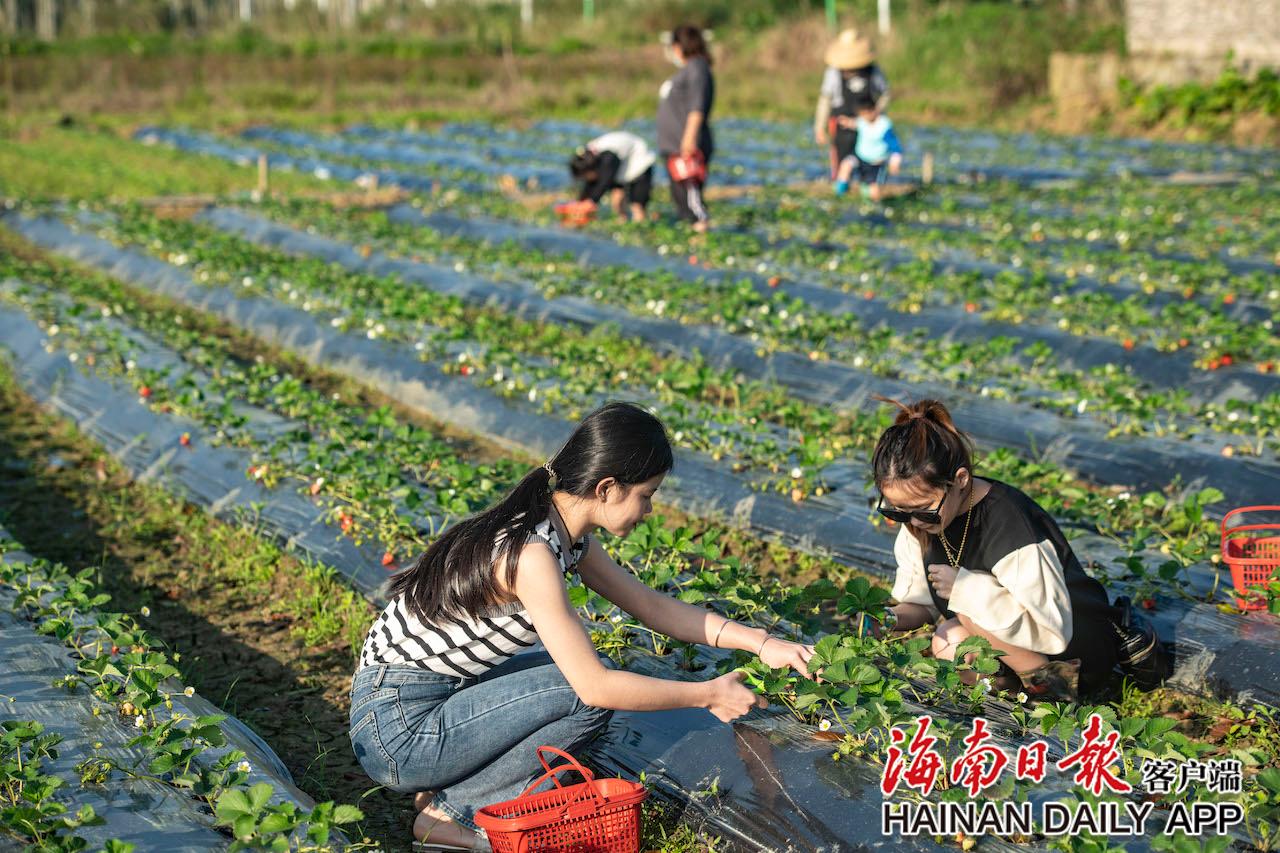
456, 576
923, 444
691, 41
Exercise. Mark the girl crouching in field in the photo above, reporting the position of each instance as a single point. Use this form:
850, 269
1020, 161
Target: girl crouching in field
443, 703
979, 558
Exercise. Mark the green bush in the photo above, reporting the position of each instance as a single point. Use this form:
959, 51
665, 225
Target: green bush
1210, 106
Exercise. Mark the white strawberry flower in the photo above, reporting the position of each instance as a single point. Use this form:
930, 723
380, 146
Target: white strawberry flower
145, 611
824, 725
797, 473
1022, 698
189, 692
244, 767
140, 722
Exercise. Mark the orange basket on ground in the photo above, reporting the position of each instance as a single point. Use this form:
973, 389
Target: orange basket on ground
576, 214
1252, 551
595, 816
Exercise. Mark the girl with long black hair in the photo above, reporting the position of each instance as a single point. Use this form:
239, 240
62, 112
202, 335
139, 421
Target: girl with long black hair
442, 703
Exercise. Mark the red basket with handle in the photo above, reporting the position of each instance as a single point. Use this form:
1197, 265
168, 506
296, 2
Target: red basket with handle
1252, 551
595, 816
687, 167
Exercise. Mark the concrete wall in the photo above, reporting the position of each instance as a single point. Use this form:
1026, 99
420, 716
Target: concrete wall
1206, 29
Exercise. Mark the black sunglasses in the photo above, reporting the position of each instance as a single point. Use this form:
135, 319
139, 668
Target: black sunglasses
903, 516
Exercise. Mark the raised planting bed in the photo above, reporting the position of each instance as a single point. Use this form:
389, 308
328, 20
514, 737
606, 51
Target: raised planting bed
112, 740
1082, 446
1072, 351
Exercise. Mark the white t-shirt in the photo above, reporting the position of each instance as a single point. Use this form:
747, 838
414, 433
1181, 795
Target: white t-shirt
630, 149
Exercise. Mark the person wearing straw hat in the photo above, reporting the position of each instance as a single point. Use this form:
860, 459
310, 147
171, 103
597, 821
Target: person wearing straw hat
852, 77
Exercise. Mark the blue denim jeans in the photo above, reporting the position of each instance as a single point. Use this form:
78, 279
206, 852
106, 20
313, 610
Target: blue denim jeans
473, 741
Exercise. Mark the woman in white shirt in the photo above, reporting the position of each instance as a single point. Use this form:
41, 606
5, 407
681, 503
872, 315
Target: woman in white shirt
620, 162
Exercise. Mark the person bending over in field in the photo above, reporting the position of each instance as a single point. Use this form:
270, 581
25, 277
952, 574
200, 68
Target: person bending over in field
443, 703
978, 558
618, 163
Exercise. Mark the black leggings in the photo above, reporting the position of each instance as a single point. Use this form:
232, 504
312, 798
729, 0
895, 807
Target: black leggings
691, 205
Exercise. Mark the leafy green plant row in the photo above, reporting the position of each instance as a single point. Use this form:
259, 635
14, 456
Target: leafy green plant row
1002, 367
805, 238
1033, 235
128, 674
28, 810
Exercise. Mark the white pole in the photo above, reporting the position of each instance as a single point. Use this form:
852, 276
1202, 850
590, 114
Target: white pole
884, 17
526, 13
246, 11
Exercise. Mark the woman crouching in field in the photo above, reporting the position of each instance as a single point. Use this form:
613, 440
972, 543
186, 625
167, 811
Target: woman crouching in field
444, 705
979, 558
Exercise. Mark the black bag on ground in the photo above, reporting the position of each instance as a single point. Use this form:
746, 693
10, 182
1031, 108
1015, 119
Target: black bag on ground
1142, 655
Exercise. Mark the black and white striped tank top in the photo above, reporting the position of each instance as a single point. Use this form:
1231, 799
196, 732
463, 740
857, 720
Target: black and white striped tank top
461, 647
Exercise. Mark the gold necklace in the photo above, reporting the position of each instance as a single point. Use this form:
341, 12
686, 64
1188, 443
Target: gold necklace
954, 560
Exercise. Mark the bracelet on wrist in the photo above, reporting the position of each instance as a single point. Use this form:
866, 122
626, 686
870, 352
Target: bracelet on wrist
716, 642
767, 638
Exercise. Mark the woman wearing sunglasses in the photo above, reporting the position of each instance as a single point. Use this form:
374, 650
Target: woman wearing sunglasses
977, 557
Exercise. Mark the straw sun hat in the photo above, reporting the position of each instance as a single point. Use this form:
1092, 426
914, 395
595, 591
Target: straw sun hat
849, 50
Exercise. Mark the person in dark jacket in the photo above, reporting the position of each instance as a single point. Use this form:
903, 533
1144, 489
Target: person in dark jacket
617, 162
851, 78
684, 124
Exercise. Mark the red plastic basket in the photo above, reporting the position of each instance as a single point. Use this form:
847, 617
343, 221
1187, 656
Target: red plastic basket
1252, 551
576, 214
595, 816
691, 167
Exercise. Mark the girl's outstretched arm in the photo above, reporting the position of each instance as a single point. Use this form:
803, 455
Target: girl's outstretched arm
541, 589
684, 622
